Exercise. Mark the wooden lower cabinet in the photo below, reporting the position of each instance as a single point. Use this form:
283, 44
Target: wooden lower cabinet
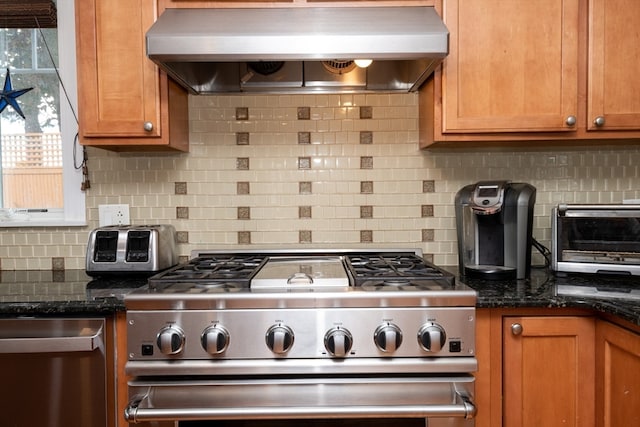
536, 368
617, 376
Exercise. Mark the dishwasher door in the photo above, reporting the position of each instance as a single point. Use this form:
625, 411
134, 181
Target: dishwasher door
53, 372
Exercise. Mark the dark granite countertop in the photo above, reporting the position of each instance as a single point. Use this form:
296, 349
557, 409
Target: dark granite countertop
55, 293
547, 290
72, 292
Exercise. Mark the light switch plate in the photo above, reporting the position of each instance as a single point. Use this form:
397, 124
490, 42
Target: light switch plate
113, 215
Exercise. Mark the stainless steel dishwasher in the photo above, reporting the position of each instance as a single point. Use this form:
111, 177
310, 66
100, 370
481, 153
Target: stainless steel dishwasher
53, 372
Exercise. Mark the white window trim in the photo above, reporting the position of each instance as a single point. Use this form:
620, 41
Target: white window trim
74, 211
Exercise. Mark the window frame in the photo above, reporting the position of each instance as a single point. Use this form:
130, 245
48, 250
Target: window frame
73, 212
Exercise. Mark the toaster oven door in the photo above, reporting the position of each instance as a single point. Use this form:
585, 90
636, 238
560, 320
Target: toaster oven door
596, 239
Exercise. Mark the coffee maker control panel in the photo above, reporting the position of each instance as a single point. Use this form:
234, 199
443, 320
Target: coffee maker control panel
488, 197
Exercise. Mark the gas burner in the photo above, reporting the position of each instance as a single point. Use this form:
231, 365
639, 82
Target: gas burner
393, 266
211, 268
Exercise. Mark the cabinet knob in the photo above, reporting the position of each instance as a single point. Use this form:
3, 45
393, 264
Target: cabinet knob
599, 121
516, 329
571, 121
148, 126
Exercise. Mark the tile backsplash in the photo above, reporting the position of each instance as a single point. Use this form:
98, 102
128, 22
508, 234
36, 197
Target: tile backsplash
327, 171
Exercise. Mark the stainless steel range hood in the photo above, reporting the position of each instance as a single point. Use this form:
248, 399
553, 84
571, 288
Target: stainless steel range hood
298, 49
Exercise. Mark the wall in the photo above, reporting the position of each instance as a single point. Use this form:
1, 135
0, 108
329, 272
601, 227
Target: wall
317, 171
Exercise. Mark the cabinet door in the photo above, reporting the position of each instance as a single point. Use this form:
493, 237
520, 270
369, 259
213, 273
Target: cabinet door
119, 86
548, 371
512, 66
125, 103
618, 376
614, 56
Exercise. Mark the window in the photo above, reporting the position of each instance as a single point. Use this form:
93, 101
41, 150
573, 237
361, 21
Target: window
40, 156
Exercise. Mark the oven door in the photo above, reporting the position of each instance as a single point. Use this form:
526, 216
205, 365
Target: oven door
441, 400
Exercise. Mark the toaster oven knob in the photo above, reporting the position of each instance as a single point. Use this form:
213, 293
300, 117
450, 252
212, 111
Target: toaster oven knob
338, 342
215, 339
279, 338
432, 337
170, 340
388, 337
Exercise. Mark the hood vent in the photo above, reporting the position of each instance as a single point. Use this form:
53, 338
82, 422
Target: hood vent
299, 50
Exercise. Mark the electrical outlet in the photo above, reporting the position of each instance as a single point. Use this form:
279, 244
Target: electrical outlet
113, 215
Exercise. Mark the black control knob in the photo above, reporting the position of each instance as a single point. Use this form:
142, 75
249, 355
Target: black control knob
388, 337
279, 338
338, 341
432, 337
170, 340
215, 339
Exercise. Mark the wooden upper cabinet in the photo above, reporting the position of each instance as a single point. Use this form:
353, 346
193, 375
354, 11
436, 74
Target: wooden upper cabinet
614, 61
125, 102
512, 66
548, 371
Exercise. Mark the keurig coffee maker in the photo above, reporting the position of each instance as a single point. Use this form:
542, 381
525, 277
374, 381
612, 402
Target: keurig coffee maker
494, 221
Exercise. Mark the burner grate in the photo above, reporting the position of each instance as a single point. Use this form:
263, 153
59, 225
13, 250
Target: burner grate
394, 267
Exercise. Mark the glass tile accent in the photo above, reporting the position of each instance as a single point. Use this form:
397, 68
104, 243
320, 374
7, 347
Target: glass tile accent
366, 187
243, 187
366, 211
242, 113
304, 212
304, 187
427, 211
244, 212
428, 235
366, 162
366, 112
366, 236
242, 163
304, 113
366, 137
182, 212
57, 263
244, 237
304, 137
180, 188
304, 236
242, 138
182, 236
428, 186
304, 162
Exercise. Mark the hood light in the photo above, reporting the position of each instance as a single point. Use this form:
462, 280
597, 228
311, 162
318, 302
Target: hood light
363, 63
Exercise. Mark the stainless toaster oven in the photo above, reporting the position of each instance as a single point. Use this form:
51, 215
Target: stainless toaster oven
596, 238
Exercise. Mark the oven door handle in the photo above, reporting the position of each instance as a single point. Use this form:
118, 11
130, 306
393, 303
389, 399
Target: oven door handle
463, 408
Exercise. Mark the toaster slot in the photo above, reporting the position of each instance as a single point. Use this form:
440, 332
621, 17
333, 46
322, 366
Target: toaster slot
106, 246
138, 246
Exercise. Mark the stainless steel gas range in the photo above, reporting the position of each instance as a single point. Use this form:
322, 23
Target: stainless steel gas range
350, 336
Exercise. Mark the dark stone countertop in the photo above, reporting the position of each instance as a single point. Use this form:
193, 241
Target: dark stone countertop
72, 292
55, 293
545, 289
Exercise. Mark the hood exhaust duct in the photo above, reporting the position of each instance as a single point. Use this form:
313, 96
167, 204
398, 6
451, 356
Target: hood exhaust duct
299, 50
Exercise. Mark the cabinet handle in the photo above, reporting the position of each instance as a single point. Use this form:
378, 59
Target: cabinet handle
516, 329
571, 121
599, 121
148, 126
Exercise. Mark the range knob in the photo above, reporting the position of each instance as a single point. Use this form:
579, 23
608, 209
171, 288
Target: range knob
170, 340
279, 338
388, 337
338, 341
215, 339
432, 337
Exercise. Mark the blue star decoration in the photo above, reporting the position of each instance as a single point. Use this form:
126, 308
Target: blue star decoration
9, 96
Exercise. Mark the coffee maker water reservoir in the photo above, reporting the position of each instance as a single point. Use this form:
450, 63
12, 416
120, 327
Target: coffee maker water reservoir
494, 222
